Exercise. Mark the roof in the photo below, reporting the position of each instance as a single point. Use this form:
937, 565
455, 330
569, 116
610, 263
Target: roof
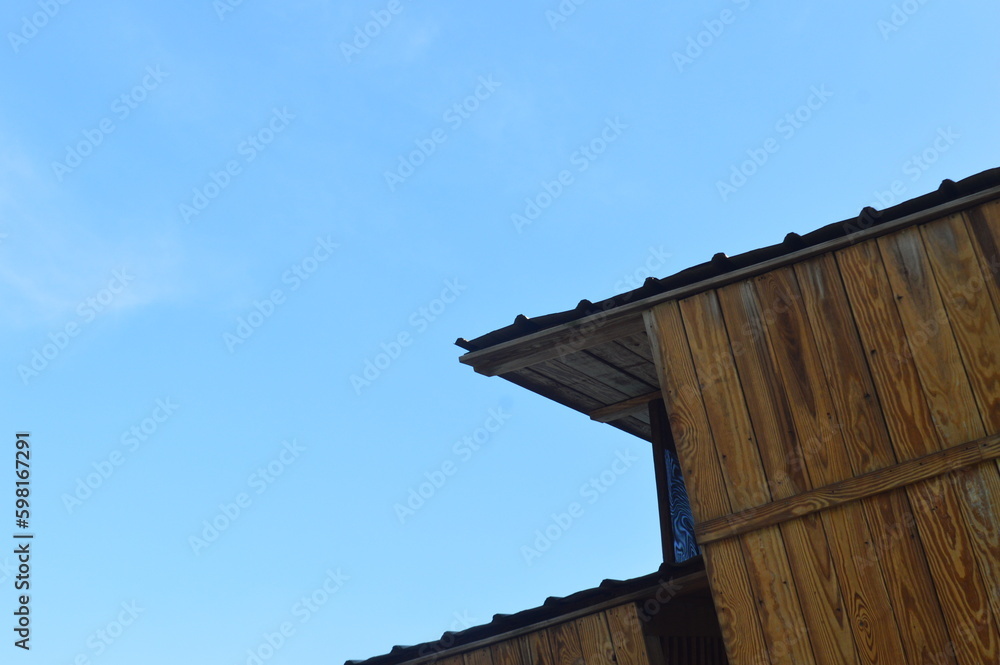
504, 626
596, 359
720, 264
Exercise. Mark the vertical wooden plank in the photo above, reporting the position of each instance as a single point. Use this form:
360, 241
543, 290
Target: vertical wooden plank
934, 344
739, 458
983, 223
595, 639
478, 657
970, 310
539, 651
796, 358
724, 563
912, 432
984, 226
626, 635
895, 545
508, 652
565, 643
769, 407
931, 340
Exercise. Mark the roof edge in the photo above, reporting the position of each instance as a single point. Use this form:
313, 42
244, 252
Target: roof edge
622, 315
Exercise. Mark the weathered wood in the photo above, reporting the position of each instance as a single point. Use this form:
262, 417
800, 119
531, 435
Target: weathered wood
895, 545
627, 319
625, 359
984, 226
571, 377
937, 510
565, 643
626, 635
589, 363
970, 310
724, 562
478, 657
508, 652
764, 551
949, 394
554, 390
628, 407
853, 489
768, 405
983, 223
537, 645
595, 639
976, 328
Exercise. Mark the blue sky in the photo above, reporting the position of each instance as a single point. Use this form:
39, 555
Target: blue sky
213, 216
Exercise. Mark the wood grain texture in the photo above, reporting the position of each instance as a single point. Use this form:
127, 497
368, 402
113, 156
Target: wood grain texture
478, 657
627, 319
508, 652
934, 344
984, 227
565, 643
606, 414
724, 562
769, 408
863, 594
595, 639
626, 635
936, 505
894, 545
970, 311
745, 482
983, 223
851, 490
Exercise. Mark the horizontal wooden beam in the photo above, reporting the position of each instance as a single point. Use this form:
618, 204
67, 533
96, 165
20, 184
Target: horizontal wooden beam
612, 324
606, 414
852, 489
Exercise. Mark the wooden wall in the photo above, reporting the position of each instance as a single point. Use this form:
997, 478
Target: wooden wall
611, 637
789, 394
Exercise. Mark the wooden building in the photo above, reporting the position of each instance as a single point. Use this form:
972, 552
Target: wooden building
834, 404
